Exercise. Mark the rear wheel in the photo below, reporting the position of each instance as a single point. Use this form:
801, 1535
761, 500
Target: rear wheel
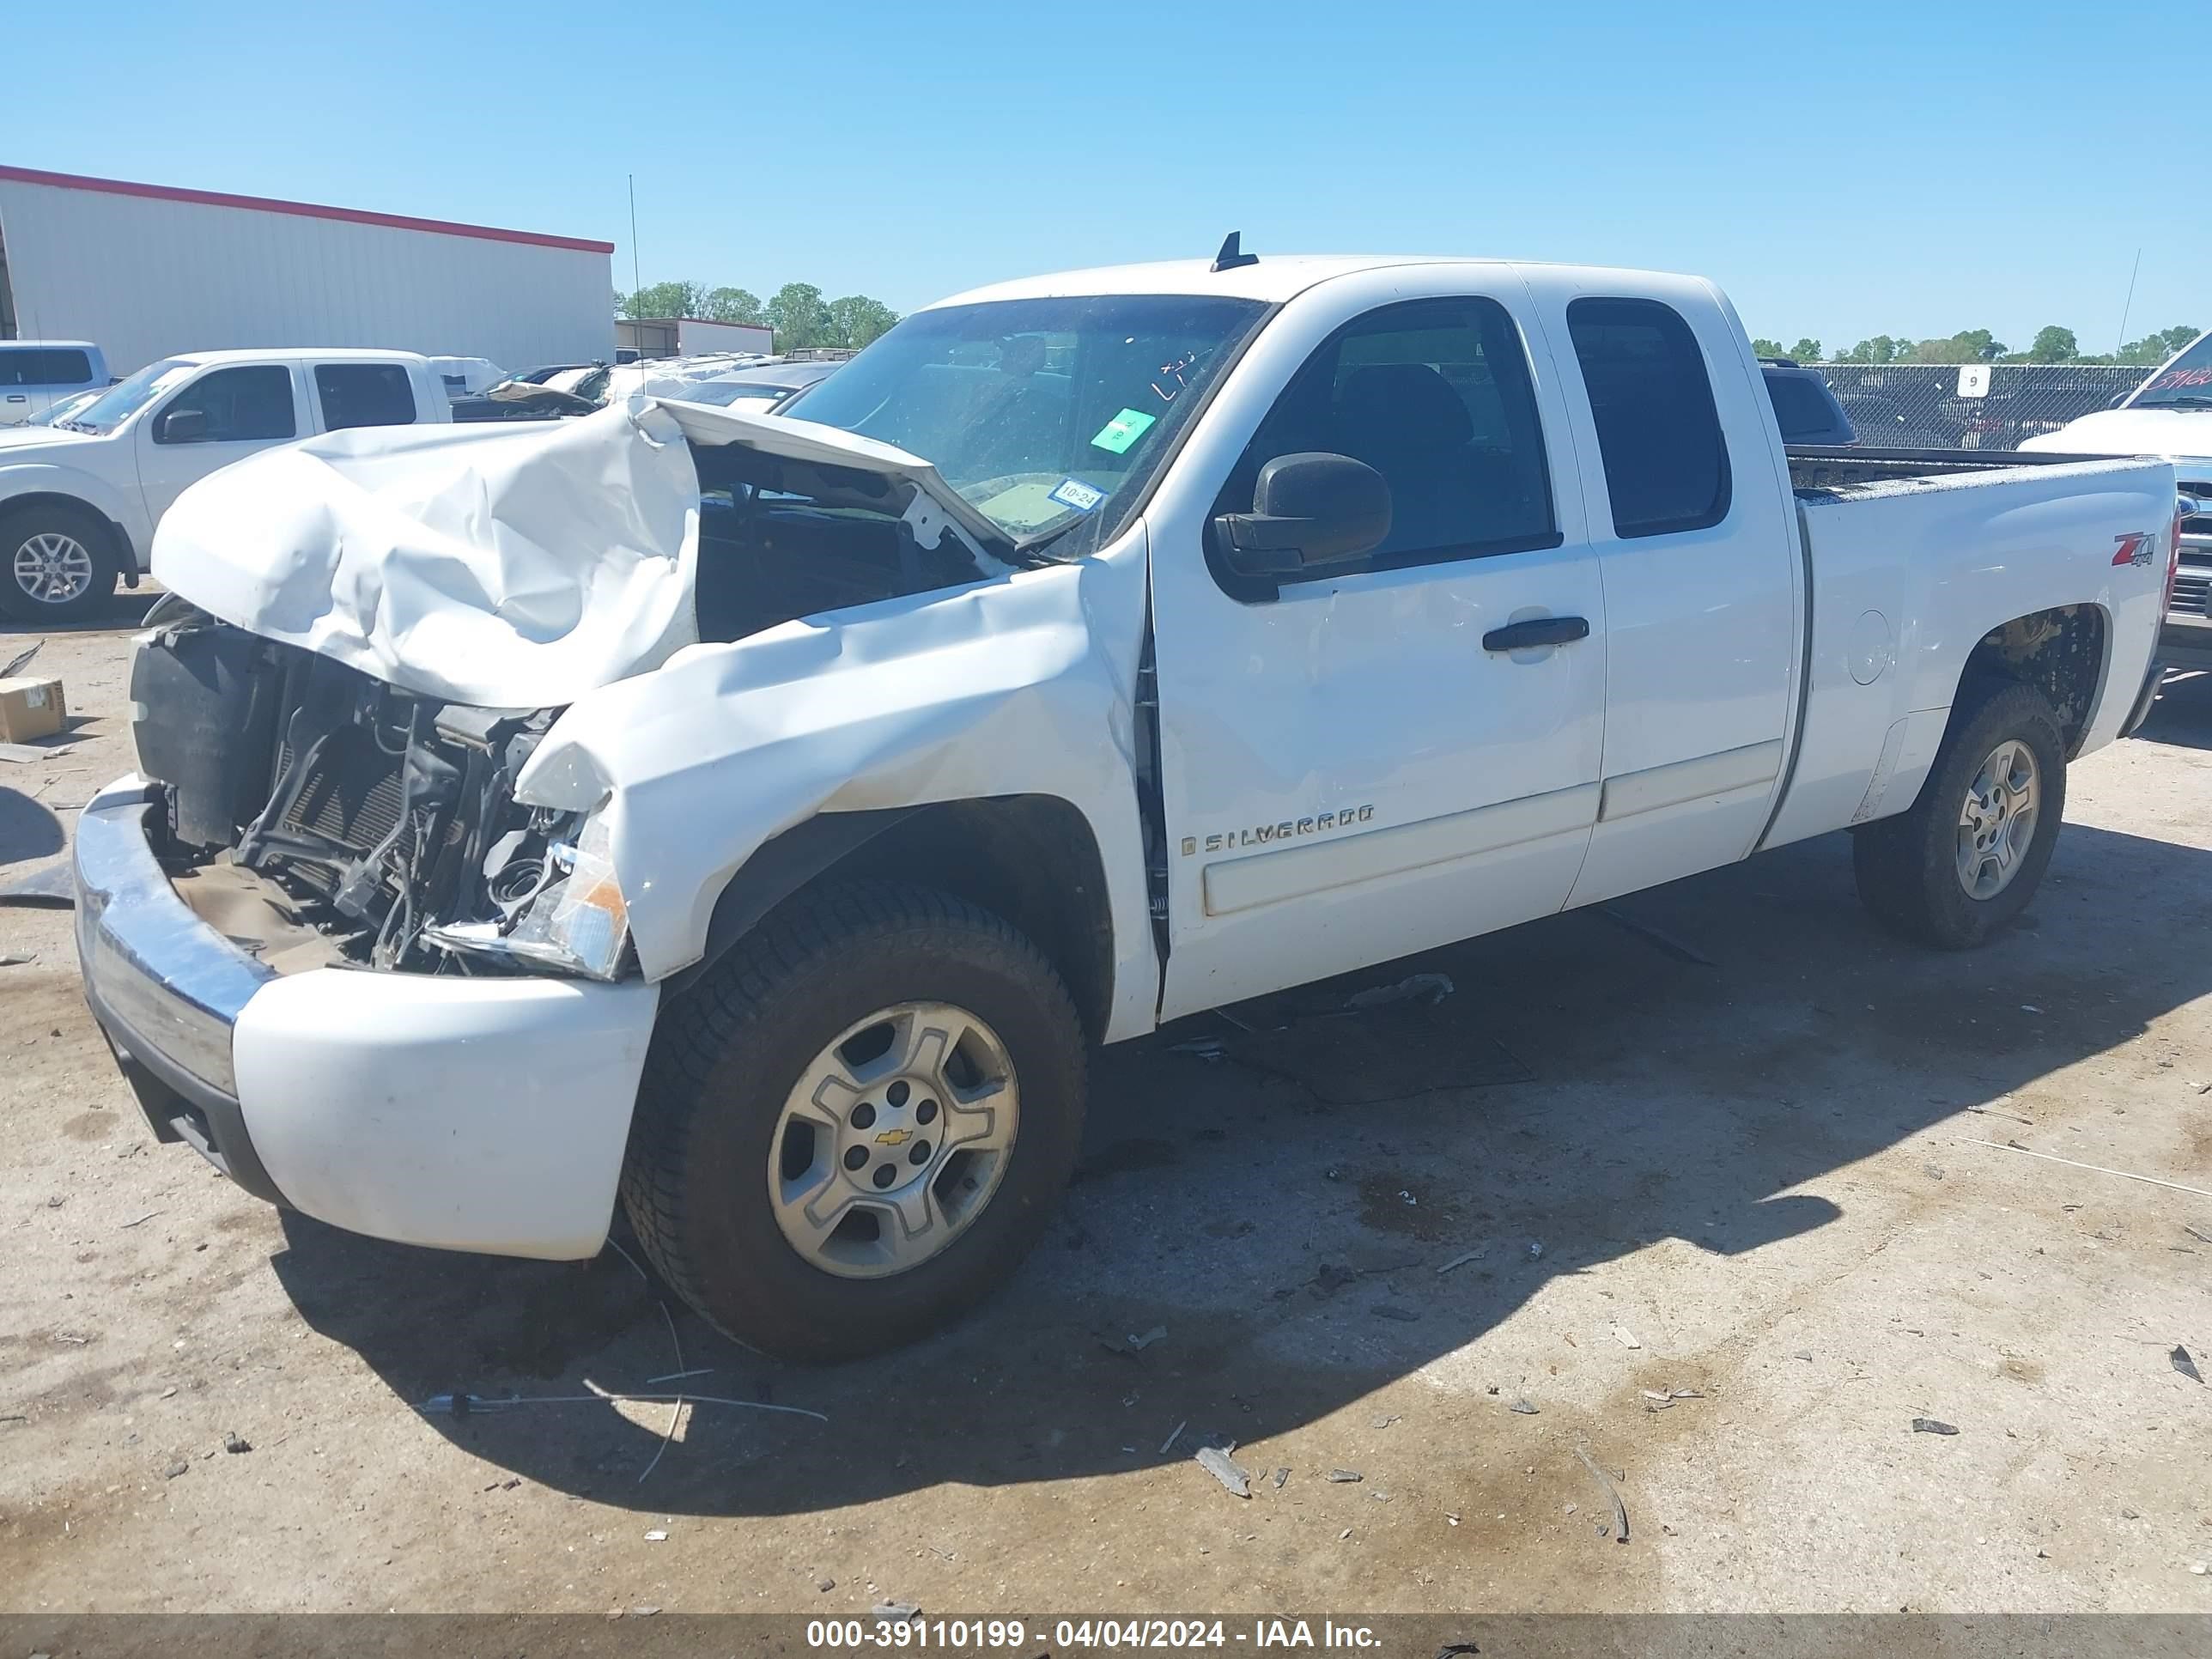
55, 565
856, 1124
1969, 854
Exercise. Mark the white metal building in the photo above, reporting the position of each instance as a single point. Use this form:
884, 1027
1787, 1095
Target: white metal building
652, 338
148, 270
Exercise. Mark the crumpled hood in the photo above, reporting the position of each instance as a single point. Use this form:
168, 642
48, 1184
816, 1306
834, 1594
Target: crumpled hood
2185, 434
502, 566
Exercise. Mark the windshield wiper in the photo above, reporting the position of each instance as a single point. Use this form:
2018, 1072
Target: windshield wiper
2175, 403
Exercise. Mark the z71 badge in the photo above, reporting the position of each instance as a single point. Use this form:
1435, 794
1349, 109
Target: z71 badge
1267, 834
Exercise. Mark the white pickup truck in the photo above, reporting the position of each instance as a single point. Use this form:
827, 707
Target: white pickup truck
759, 818
80, 500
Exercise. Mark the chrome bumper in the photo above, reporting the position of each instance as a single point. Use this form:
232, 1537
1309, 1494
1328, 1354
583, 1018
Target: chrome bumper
166, 988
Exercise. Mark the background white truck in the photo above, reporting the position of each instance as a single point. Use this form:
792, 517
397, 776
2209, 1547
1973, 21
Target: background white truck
2169, 414
761, 816
80, 500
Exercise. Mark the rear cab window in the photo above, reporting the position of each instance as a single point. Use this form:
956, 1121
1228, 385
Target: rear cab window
1658, 432
364, 394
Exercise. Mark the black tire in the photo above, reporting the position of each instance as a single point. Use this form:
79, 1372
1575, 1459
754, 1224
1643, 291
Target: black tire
728, 1051
81, 526
1908, 865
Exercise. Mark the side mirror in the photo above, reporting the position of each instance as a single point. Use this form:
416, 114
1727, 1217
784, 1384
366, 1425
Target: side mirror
1308, 510
184, 426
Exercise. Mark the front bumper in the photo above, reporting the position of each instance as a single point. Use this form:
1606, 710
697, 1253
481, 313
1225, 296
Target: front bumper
472, 1114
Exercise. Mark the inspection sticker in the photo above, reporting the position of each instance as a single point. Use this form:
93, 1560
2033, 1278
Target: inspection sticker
1073, 492
1124, 430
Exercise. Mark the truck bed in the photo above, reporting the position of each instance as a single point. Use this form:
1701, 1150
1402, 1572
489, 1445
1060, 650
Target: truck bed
1822, 470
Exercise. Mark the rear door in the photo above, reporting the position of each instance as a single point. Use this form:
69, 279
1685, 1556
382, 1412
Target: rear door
1349, 774
1696, 539
244, 407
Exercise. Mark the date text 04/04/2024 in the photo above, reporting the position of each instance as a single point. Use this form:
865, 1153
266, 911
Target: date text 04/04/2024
977, 1634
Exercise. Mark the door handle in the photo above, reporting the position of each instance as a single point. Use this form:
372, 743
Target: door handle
1537, 630
18, 398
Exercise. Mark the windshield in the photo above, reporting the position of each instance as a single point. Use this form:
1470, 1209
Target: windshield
126, 397
2186, 382
1038, 412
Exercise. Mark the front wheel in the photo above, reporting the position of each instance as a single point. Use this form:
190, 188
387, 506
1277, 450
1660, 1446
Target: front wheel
1968, 856
856, 1124
55, 566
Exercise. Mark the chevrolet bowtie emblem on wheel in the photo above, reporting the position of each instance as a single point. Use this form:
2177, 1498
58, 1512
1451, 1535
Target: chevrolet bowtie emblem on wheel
893, 1137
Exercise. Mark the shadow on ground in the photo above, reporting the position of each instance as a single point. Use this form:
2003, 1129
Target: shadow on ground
1668, 1100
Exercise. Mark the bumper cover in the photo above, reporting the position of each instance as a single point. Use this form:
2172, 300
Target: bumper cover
486, 1114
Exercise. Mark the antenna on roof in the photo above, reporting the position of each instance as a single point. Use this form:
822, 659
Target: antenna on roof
1231, 256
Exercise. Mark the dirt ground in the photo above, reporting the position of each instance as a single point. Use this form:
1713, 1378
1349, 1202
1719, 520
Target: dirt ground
1766, 1156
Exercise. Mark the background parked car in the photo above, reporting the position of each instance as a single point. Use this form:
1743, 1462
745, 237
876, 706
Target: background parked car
79, 501
539, 394
35, 373
770, 385
58, 413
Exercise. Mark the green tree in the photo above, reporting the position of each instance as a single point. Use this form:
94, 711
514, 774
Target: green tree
2156, 348
665, 300
1968, 345
799, 317
732, 305
2054, 344
1806, 351
1763, 347
856, 319
1881, 348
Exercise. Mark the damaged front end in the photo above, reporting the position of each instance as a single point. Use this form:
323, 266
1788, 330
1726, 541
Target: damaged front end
320, 816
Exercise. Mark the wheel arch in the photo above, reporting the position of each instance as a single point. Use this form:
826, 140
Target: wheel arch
2064, 651
1032, 859
118, 540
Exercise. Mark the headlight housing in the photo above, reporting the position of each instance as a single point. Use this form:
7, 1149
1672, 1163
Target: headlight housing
579, 921
575, 920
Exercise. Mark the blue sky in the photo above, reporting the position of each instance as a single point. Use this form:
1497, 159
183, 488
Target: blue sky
1856, 169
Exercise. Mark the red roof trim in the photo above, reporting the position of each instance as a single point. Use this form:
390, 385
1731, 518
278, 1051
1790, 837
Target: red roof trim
298, 209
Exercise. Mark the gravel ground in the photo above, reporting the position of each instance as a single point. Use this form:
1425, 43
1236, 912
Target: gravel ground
1761, 1163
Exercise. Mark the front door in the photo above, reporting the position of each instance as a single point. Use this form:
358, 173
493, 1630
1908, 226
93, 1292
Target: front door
1349, 772
243, 408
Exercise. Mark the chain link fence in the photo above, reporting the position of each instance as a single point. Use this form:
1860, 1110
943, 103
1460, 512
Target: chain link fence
1971, 405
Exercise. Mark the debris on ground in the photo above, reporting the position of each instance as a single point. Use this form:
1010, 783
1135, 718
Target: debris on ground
1174, 1435
826, 1583
1139, 1344
1626, 1337
2094, 1169
18, 962
1535, 1250
1383, 1422
1430, 987
1231, 1475
1619, 1509
1207, 1048
2197, 1233
174, 1470
1932, 1426
141, 1221
1465, 1256
898, 1612
1341, 1476
1520, 1405
1393, 1311
2184, 1364
1282, 1475
236, 1443
52, 885
657, 1536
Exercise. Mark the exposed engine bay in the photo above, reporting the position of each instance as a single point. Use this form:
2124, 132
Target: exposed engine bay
318, 815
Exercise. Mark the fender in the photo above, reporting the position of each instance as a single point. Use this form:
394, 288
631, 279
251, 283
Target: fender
1023, 684
32, 474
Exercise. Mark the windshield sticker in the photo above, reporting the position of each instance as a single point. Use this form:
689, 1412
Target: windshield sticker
1124, 430
1074, 493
